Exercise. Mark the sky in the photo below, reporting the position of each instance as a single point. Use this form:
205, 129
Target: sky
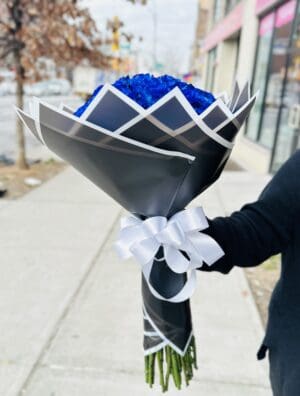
175, 22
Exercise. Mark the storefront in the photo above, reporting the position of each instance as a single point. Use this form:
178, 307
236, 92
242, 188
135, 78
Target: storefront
222, 46
211, 69
274, 124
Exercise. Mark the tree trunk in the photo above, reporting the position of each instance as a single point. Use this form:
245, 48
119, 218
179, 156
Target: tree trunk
21, 149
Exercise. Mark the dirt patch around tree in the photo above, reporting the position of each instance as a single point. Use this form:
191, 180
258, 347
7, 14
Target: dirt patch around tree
262, 280
18, 182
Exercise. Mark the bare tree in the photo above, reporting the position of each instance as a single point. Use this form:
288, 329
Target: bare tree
57, 29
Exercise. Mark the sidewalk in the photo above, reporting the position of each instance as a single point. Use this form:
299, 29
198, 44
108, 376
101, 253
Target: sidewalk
70, 312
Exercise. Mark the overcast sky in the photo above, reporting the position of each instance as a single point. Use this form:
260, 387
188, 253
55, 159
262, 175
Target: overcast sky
176, 23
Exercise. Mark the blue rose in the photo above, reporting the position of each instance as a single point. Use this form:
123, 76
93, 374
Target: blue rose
145, 89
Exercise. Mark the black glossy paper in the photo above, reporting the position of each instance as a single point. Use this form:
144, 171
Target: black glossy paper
152, 163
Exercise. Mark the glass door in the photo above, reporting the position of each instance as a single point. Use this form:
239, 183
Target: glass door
278, 63
287, 140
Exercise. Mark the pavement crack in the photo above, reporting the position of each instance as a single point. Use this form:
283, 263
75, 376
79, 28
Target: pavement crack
116, 370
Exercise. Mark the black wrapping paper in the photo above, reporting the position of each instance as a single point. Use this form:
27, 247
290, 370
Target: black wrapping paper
153, 162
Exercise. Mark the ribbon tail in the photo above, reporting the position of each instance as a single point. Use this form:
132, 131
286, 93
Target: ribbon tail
206, 247
185, 293
145, 251
175, 260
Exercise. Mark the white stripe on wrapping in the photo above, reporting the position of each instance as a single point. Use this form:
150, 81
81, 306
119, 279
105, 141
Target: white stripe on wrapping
232, 101
239, 96
215, 136
165, 340
66, 108
185, 293
151, 334
169, 131
119, 137
36, 116
222, 95
155, 348
147, 113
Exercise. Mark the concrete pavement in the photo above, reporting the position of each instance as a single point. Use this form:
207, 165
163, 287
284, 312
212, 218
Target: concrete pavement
70, 312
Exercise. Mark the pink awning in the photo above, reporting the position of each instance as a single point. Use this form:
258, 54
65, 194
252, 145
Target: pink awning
226, 28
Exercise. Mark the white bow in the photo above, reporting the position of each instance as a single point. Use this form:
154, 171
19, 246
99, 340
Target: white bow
141, 239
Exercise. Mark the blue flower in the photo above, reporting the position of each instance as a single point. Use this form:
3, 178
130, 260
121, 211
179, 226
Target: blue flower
82, 108
145, 89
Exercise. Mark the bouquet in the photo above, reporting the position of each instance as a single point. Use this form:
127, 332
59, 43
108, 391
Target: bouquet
153, 144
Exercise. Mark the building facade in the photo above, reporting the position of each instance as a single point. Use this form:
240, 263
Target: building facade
197, 61
258, 40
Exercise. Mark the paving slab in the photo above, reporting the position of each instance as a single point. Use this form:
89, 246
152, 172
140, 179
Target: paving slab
46, 252
3, 203
57, 382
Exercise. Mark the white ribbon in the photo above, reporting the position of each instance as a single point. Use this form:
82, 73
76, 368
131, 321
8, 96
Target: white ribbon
141, 239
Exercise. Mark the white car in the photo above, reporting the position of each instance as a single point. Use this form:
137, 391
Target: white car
7, 88
57, 86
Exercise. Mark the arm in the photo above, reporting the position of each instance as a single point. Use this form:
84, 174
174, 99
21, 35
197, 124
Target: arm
263, 228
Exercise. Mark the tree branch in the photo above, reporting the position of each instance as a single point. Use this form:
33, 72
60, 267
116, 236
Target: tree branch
4, 24
6, 52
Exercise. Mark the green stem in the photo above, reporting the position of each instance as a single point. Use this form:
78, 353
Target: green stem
153, 370
169, 367
175, 370
194, 352
160, 360
185, 370
180, 367
150, 365
146, 369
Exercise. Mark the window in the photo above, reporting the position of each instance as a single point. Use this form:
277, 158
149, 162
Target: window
218, 10
288, 137
278, 64
211, 67
230, 4
272, 73
266, 27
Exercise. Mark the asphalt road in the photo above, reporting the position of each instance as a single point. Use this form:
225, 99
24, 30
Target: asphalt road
7, 126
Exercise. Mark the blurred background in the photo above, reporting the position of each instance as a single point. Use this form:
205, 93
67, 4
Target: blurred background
207, 43
52, 340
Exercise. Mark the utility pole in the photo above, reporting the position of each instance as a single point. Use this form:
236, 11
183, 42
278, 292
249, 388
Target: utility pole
196, 64
154, 14
114, 25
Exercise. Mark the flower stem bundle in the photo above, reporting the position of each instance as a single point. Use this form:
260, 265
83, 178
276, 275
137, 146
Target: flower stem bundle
171, 364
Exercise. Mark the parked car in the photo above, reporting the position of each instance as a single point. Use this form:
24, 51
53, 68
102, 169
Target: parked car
36, 89
7, 88
57, 86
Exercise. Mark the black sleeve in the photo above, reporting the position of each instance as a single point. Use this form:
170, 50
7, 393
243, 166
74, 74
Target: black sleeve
263, 228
